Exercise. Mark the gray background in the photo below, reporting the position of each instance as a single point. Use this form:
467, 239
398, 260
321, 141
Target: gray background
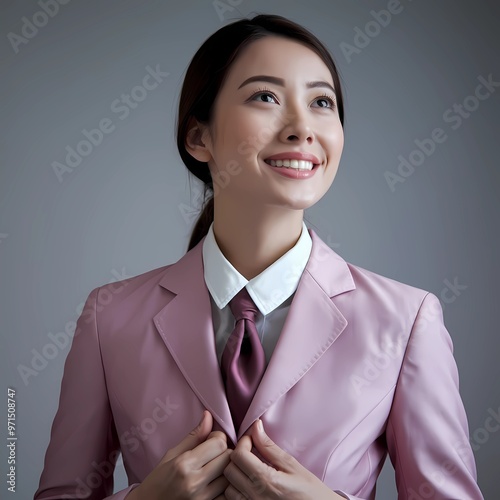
129, 206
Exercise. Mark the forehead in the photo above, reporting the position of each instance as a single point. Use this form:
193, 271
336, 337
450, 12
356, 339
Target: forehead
279, 56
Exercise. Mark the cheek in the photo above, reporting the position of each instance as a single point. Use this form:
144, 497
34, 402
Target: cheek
242, 141
335, 140
255, 127
235, 133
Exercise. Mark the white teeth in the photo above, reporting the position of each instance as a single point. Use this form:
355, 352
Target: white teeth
297, 164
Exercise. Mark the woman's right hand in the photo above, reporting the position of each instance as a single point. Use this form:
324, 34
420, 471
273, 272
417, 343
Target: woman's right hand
192, 470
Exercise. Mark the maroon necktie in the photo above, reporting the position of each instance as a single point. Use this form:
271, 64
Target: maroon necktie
243, 360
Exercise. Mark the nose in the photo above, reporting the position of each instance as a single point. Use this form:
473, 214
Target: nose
296, 127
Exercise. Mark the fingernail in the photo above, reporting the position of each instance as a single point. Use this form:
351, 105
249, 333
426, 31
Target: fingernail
259, 425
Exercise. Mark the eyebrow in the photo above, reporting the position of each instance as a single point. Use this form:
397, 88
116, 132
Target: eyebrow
281, 82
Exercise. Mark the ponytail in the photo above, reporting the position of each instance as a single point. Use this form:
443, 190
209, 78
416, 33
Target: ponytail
203, 223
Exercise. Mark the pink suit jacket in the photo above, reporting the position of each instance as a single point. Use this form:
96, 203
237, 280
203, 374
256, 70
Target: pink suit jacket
363, 367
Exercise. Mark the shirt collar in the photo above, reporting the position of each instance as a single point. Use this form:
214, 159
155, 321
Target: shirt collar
270, 288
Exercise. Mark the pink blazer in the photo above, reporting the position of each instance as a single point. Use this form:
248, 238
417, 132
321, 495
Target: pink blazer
364, 366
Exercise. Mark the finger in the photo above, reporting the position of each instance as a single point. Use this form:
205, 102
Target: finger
218, 434
220, 497
270, 451
193, 439
207, 451
232, 493
247, 461
215, 467
246, 484
245, 443
217, 487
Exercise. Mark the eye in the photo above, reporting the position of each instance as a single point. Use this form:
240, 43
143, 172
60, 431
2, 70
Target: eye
328, 98
325, 97
261, 92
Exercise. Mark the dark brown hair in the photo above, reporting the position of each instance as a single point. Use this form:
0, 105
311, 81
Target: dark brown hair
204, 78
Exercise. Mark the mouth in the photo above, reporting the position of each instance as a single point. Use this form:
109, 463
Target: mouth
301, 165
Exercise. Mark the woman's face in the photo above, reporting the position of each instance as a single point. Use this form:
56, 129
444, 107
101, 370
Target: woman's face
255, 120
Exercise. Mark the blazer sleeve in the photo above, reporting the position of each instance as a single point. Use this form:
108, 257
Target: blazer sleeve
84, 445
427, 431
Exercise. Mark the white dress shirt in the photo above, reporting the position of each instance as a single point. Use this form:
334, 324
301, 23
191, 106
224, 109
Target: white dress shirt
272, 290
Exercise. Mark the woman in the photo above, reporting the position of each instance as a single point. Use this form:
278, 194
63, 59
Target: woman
324, 369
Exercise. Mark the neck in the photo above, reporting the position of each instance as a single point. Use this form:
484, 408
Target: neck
252, 238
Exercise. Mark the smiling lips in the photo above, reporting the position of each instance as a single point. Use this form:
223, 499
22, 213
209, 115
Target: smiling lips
297, 164
295, 160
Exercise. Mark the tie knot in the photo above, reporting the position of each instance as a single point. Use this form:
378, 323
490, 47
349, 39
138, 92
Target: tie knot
242, 306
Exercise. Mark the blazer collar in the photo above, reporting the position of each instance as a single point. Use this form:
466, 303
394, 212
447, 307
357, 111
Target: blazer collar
313, 323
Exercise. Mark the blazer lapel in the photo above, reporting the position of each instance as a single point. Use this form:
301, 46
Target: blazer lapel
313, 323
185, 325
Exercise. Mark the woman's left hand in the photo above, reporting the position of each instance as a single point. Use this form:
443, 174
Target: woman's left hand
251, 478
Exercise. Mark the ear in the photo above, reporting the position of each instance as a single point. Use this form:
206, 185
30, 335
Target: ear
197, 141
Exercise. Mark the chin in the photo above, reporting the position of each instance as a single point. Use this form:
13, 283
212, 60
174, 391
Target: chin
302, 204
